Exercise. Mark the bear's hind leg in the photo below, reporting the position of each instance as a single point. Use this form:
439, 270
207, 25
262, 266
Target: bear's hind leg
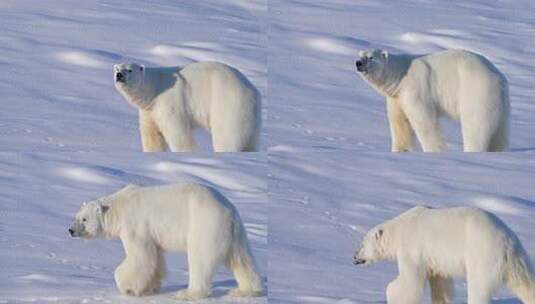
475, 138
202, 265
525, 291
481, 285
500, 139
442, 289
483, 130
226, 140
242, 266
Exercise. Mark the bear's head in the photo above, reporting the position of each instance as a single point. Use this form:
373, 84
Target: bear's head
88, 221
128, 76
371, 248
372, 63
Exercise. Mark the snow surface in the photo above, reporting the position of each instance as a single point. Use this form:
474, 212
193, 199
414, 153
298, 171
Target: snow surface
41, 193
58, 95
322, 204
57, 63
319, 103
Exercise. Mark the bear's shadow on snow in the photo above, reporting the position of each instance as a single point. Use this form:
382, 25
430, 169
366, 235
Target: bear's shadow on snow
523, 149
506, 301
217, 292
219, 288
500, 301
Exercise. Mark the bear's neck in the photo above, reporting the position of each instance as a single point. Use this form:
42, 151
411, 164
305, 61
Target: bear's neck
396, 69
388, 246
110, 224
143, 96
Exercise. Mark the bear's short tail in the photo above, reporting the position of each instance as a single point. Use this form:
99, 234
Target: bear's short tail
242, 264
520, 275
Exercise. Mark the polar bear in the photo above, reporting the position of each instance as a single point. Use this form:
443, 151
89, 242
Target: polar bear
455, 83
190, 218
172, 101
439, 244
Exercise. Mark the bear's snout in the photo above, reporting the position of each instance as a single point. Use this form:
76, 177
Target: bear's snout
357, 260
71, 232
119, 77
360, 65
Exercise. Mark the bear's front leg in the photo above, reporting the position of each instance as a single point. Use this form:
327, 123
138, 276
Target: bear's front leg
187, 294
127, 279
151, 138
423, 118
137, 274
442, 289
402, 291
408, 287
400, 129
176, 129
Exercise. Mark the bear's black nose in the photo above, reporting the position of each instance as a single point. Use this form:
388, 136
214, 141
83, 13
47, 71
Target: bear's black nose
71, 231
118, 76
360, 65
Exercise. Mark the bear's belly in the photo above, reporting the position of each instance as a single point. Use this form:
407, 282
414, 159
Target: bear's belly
174, 243
447, 265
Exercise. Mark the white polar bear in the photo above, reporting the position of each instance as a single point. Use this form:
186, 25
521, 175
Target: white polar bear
173, 101
439, 244
419, 89
185, 217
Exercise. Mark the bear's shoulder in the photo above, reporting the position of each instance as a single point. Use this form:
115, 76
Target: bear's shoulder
452, 55
415, 211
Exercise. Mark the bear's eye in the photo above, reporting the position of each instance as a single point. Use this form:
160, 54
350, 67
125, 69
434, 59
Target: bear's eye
84, 220
129, 71
370, 58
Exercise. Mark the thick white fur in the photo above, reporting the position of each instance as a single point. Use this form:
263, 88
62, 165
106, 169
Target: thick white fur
454, 83
190, 218
173, 101
440, 244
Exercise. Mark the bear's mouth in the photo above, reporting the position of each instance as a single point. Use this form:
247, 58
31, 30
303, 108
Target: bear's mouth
358, 261
362, 70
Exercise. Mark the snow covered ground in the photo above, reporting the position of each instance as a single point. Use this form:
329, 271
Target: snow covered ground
58, 96
40, 194
57, 63
319, 103
321, 205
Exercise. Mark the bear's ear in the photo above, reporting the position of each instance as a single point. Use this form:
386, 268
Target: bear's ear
104, 209
131, 186
379, 234
361, 54
384, 54
101, 209
141, 68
